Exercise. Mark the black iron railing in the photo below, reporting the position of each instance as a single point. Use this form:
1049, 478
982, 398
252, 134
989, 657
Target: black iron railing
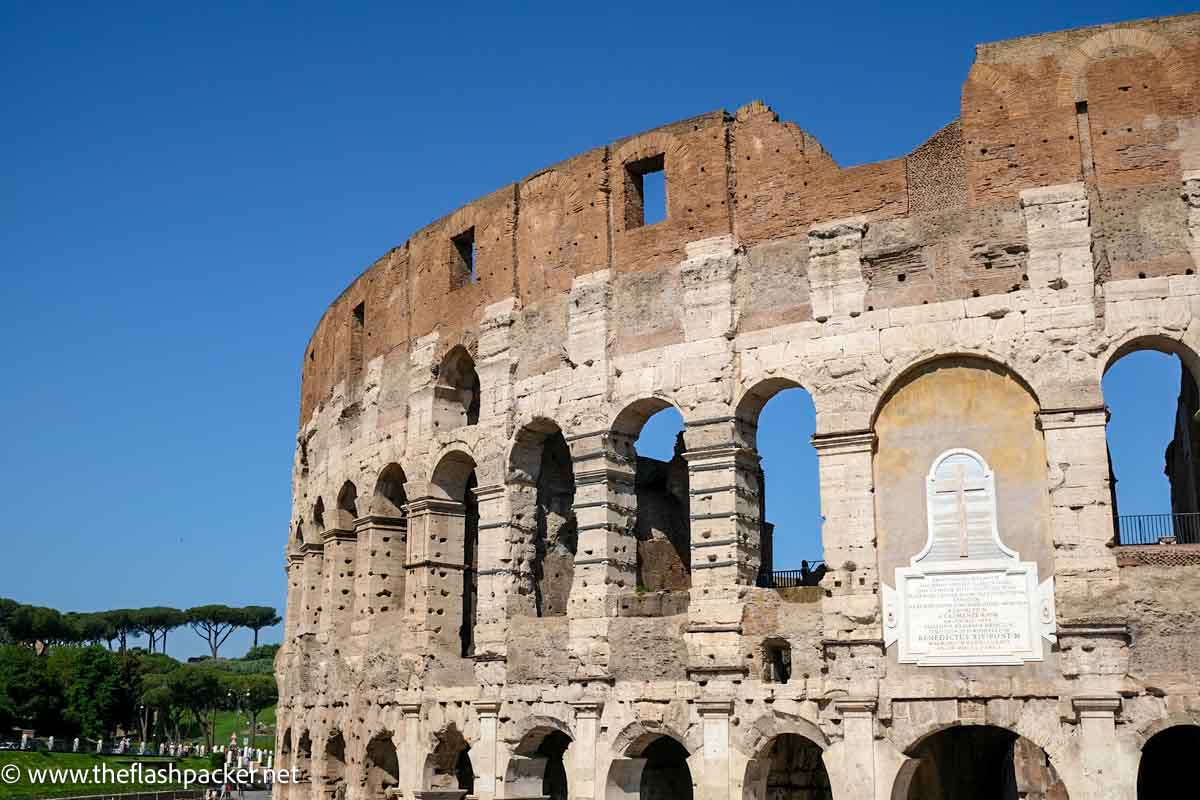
791, 578
1158, 528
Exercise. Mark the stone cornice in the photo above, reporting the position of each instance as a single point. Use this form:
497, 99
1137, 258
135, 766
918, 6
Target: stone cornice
338, 534
844, 442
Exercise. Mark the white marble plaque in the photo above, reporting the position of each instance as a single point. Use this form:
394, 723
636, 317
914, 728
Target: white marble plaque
966, 599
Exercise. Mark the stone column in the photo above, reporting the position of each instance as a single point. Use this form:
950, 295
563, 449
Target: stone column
1081, 513
411, 754
483, 754
434, 572
337, 595
312, 590
294, 615
583, 749
606, 553
714, 718
494, 575
851, 608
1103, 775
1058, 229
726, 544
835, 278
379, 572
851, 761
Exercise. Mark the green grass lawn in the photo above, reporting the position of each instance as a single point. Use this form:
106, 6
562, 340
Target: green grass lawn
25, 788
230, 722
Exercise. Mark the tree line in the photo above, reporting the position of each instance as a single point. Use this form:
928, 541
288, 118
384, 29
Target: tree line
90, 691
37, 625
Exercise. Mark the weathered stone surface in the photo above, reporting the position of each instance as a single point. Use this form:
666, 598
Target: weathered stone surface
489, 591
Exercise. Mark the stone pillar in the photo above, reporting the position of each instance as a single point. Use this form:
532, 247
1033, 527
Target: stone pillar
411, 754
851, 761
337, 593
835, 279
494, 564
434, 572
1103, 775
1058, 230
583, 749
714, 719
851, 608
606, 553
312, 590
726, 544
379, 570
493, 361
483, 754
294, 615
1081, 513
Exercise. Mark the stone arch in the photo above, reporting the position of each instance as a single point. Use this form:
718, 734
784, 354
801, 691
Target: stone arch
1150, 339
984, 758
448, 766
543, 529
456, 391
1174, 744
302, 762
653, 761
389, 498
381, 765
907, 370
995, 80
788, 766
754, 486
347, 505
661, 512
1181, 459
453, 525
537, 766
334, 761
771, 724
1072, 81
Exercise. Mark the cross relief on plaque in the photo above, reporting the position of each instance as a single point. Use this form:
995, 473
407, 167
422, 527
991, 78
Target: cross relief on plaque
966, 598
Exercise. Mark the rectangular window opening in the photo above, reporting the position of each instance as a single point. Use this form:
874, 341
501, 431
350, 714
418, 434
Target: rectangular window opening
464, 256
645, 191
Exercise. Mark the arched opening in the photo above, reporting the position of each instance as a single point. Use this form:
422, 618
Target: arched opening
978, 762
456, 525
285, 743
448, 768
662, 522
666, 775
347, 504
303, 763
382, 546
537, 767
456, 393
389, 499
335, 762
542, 487
1153, 438
1163, 769
961, 404
319, 515
298, 537
790, 767
777, 419
381, 766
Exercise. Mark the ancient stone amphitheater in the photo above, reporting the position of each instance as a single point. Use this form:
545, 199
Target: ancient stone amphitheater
492, 595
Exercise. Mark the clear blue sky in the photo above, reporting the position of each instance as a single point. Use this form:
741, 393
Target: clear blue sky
186, 188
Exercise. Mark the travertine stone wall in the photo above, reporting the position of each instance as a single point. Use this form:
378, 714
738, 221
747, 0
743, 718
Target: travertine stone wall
969, 294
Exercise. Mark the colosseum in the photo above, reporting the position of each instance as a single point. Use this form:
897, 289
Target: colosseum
492, 595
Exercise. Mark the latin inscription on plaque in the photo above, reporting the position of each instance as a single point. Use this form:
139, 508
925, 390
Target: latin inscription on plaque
966, 599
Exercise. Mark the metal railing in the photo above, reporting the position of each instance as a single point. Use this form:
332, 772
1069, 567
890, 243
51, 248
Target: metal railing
1158, 528
791, 578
